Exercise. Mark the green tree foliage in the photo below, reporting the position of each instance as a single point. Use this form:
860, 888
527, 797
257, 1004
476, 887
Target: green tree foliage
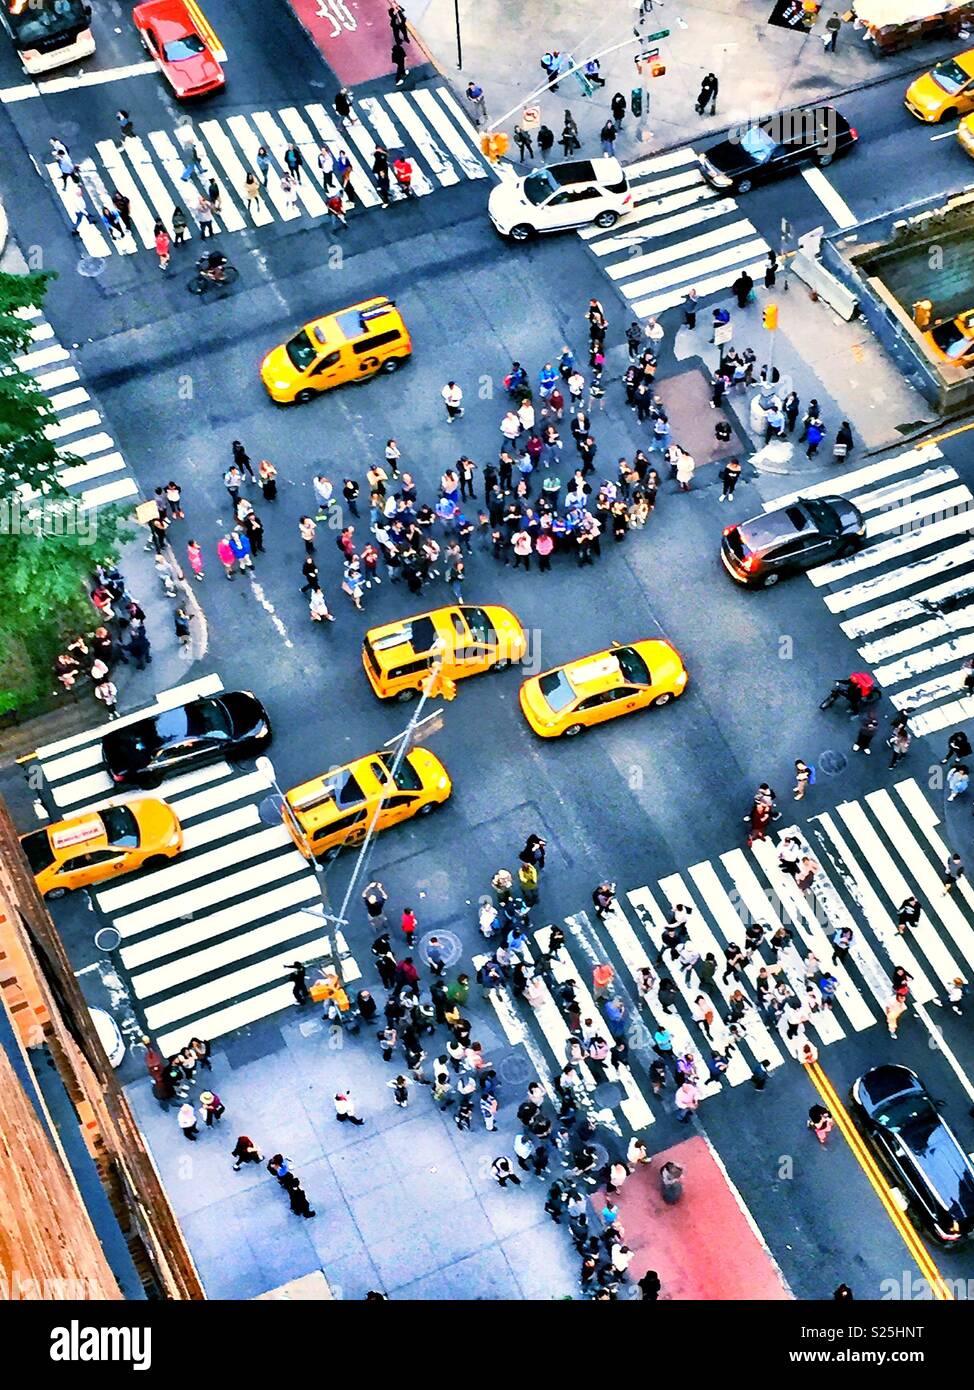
48, 547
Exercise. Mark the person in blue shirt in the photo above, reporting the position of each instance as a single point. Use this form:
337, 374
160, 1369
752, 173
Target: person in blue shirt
240, 545
566, 363
547, 381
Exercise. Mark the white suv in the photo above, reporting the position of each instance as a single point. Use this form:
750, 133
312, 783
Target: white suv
574, 194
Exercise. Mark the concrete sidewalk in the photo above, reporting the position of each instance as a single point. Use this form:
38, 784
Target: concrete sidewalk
760, 68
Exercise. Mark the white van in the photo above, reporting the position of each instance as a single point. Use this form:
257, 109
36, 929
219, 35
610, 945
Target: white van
556, 197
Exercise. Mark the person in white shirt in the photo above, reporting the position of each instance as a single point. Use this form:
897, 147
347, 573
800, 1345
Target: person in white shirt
345, 1108
452, 399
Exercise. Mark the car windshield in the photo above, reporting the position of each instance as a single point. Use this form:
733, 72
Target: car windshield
951, 340
539, 186
301, 351
910, 1114
950, 76
121, 827
632, 666
187, 47
207, 717
479, 625
556, 689
824, 517
407, 779
37, 848
758, 144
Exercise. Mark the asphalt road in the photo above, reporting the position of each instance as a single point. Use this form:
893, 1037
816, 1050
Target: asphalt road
632, 801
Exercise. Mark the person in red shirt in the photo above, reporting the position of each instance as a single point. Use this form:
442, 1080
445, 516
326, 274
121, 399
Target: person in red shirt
403, 171
408, 925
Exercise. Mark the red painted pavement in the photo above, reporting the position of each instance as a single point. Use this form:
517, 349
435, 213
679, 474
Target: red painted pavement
353, 36
702, 1247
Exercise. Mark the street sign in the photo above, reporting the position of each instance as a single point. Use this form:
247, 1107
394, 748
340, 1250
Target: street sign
530, 117
723, 333
661, 34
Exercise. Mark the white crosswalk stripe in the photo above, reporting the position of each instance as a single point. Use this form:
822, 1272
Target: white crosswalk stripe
205, 939
427, 125
679, 234
907, 598
870, 856
76, 424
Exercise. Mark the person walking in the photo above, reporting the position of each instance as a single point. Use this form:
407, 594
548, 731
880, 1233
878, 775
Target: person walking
162, 244
820, 1122
298, 1198
345, 1109
729, 476
252, 192
125, 125
380, 170
211, 1108
814, 434
569, 140
399, 59
707, 96
398, 23
831, 36
343, 107
503, 1172
687, 1100
953, 872
618, 106
186, 1119
476, 104
608, 137
453, 400
524, 145
899, 743
546, 140
868, 724
804, 778
958, 746
843, 442
399, 1086
245, 1151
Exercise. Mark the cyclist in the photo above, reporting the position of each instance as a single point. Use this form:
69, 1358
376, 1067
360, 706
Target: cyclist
215, 265
403, 171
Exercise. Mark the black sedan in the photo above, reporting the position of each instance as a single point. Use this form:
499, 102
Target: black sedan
806, 533
231, 725
918, 1148
775, 146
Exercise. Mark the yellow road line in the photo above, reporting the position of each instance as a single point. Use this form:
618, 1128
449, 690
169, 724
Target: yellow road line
878, 1182
207, 31
949, 434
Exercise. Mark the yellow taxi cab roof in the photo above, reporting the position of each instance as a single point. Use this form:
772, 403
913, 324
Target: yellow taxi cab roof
601, 671
79, 830
348, 325
322, 798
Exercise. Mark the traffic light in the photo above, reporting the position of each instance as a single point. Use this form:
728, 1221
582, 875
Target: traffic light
770, 317
494, 146
657, 70
636, 101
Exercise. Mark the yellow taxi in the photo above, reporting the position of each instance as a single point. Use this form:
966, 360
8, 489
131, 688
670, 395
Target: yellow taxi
945, 91
97, 845
965, 135
337, 808
350, 345
399, 657
953, 340
570, 698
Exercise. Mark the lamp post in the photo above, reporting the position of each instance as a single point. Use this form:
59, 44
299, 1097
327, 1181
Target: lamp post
279, 803
456, 16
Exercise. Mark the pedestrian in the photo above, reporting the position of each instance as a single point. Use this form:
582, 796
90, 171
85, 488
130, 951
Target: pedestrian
409, 924
226, 556
569, 140
345, 1108
730, 473
186, 1119
503, 1172
400, 1090
770, 271
488, 1110
608, 137
343, 106
958, 780
452, 399
240, 545
245, 1151
841, 944
804, 778
380, 169
181, 622
814, 434
742, 288
162, 244
685, 467
868, 724
462, 1117
546, 140
399, 59
288, 189
398, 21
958, 746
107, 693
476, 103
524, 145
125, 125
252, 192
843, 442
211, 1107
687, 1100
707, 96
831, 36
899, 743
953, 872
820, 1122
894, 1011
618, 106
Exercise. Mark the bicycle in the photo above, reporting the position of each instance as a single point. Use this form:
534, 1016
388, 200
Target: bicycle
204, 278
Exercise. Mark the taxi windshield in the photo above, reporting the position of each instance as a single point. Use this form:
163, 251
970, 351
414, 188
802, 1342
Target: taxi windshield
632, 666
557, 690
950, 76
186, 47
407, 779
121, 827
301, 351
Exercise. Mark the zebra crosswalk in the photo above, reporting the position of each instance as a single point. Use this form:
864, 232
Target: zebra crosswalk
78, 428
870, 855
680, 234
907, 598
204, 940
427, 124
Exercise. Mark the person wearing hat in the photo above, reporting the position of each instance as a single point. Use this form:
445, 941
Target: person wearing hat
211, 1107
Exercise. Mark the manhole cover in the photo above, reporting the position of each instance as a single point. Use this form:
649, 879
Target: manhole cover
831, 762
516, 1068
108, 939
92, 266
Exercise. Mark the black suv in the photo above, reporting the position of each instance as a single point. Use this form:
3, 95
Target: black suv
806, 533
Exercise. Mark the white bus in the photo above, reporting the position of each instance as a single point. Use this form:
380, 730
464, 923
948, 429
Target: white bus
48, 33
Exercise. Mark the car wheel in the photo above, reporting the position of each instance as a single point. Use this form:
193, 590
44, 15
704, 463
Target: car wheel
846, 550
573, 730
502, 665
428, 808
303, 397
52, 894
405, 696
769, 579
522, 232
744, 186
150, 781
390, 365
155, 861
949, 114
824, 160
663, 699
608, 218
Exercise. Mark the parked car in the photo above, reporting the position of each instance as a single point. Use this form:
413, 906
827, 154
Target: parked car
777, 145
231, 725
804, 534
577, 193
918, 1148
